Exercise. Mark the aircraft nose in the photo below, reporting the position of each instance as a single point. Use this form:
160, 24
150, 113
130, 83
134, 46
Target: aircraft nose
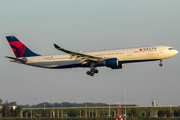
176, 52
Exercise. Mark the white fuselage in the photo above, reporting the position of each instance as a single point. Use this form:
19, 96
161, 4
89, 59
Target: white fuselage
123, 55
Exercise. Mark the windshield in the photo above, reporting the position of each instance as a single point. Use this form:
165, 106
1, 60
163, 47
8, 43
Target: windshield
171, 48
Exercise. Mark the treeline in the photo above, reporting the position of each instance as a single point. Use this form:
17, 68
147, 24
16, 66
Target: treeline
63, 104
6, 111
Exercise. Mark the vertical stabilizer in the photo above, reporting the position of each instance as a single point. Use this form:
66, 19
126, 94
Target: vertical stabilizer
19, 49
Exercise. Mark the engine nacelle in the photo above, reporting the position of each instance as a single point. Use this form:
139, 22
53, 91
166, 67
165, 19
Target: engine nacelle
112, 63
120, 66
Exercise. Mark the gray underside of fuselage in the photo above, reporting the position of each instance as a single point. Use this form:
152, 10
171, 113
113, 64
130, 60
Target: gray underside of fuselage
99, 65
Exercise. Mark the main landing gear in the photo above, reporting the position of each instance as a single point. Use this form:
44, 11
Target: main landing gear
160, 64
92, 71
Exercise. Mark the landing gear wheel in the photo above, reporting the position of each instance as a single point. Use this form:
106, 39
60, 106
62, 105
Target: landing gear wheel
160, 64
91, 74
88, 72
96, 71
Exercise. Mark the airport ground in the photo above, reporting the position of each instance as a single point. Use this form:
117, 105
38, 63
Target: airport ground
88, 118
99, 113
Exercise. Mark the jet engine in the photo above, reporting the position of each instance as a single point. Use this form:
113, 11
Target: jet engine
120, 66
112, 63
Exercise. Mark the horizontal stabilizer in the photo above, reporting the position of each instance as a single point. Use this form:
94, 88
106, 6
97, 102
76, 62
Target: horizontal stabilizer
22, 60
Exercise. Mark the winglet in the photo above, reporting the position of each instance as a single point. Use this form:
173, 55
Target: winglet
56, 46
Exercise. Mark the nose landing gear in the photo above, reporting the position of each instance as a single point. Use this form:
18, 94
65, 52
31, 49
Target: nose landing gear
160, 64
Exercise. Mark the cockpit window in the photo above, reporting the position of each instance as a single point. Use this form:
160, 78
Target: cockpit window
171, 48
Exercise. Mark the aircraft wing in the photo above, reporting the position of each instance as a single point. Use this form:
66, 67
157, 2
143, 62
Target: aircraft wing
79, 56
17, 59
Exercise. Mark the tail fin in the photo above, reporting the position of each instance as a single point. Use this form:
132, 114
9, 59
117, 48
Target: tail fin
19, 49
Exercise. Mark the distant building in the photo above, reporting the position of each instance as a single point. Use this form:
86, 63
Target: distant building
153, 103
13, 107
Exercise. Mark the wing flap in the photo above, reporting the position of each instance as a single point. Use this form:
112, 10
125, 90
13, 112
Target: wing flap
79, 56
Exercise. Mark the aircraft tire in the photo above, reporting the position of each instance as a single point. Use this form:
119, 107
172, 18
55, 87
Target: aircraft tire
88, 73
91, 74
96, 71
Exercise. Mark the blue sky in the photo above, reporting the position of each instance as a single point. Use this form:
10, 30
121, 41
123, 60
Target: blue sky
86, 26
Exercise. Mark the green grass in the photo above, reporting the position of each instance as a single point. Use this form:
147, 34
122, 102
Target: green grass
140, 110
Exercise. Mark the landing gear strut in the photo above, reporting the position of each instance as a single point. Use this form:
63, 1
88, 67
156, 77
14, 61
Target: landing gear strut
160, 64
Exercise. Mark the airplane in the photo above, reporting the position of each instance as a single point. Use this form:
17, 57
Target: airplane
113, 59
